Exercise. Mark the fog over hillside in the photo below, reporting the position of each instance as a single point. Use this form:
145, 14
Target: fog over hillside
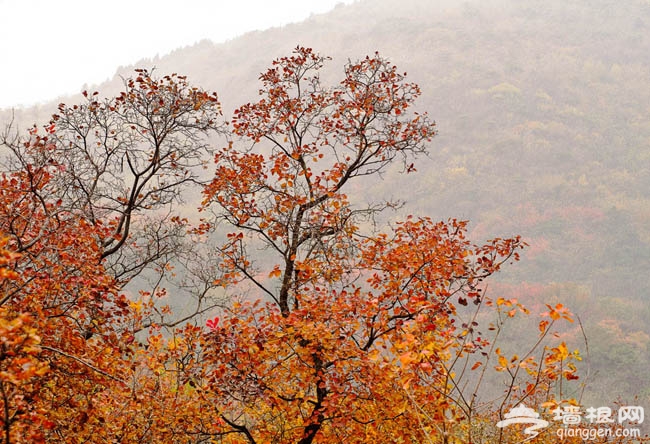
543, 112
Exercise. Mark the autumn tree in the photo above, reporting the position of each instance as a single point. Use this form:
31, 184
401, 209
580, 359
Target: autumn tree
21, 366
87, 204
128, 163
61, 312
337, 323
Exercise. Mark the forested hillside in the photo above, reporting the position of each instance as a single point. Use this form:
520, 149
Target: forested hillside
543, 116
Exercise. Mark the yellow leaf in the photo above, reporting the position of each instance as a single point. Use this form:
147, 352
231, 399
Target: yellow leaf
137, 306
406, 358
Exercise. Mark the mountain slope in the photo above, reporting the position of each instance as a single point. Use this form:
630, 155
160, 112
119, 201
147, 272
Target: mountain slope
543, 110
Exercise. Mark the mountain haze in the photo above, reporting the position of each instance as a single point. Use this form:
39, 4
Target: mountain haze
543, 112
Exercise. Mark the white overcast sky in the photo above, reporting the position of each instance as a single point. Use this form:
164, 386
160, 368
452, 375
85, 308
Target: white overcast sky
49, 48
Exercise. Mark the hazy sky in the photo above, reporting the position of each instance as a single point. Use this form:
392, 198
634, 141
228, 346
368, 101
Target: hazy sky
51, 48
